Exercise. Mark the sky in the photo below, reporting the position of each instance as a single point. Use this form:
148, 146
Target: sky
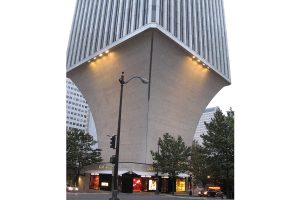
263, 42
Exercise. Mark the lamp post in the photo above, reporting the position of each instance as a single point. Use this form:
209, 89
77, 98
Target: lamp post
157, 179
115, 178
190, 178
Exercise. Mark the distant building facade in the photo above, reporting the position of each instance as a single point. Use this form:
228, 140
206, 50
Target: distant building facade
78, 114
205, 117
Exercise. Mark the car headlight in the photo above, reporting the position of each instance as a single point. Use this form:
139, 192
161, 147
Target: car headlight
205, 193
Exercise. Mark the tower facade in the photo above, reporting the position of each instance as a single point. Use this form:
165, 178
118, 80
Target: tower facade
180, 46
207, 116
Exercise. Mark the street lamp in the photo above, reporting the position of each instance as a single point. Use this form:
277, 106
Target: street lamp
115, 178
157, 179
190, 178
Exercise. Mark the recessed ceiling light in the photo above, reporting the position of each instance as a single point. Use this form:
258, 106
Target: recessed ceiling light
106, 51
100, 55
95, 58
198, 60
194, 57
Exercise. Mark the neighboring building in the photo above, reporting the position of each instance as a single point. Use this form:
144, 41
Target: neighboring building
201, 128
78, 113
180, 46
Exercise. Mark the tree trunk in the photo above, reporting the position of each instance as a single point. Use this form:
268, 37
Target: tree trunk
173, 185
228, 195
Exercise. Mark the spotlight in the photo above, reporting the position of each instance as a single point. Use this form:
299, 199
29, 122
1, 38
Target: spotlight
101, 55
107, 51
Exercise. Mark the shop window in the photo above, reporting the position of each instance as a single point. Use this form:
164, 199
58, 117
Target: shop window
137, 184
180, 185
152, 185
94, 182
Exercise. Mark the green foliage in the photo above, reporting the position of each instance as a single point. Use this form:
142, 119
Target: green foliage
218, 144
199, 166
173, 156
215, 156
79, 150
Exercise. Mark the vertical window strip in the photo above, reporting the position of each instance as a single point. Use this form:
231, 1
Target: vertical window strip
77, 32
175, 18
119, 19
157, 13
84, 14
220, 42
103, 27
169, 16
112, 31
145, 17
195, 25
217, 42
184, 6
178, 19
109, 23
125, 22
225, 50
133, 16
141, 14
129, 17
181, 21
86, 31
97, 27
208, 32
99, 36
172, 18
161, 13
90, 29
190, 31
213, 36
149, 14
165, 14
123, 19
72, 35
153, 10
93, 29
205, 29
137, 14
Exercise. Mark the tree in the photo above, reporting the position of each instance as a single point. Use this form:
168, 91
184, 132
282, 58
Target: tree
218, 148
80, 152
199, 166
173, 157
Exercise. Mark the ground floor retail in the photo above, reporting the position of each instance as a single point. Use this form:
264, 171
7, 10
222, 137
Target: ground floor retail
136, 180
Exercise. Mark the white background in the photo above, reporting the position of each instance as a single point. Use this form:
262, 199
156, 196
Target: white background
263, 40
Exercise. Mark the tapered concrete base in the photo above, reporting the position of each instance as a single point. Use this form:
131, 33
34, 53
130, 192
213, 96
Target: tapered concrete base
178, 92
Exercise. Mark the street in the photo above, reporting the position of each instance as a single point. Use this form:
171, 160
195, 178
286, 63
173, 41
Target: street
130, 196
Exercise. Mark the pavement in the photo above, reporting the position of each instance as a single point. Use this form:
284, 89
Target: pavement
132, 196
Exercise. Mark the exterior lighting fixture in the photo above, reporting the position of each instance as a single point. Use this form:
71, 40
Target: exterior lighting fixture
100, 55
89, 61
95, 58
198, 60
107, 51
194, 57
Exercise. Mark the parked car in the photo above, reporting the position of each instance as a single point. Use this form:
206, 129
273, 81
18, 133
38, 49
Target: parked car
72, 188
211, 192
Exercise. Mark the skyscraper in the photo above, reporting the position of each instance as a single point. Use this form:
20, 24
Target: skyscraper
78, 114
180, 46
207, 116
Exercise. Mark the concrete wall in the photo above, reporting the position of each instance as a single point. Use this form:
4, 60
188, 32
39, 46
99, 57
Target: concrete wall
180, 90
